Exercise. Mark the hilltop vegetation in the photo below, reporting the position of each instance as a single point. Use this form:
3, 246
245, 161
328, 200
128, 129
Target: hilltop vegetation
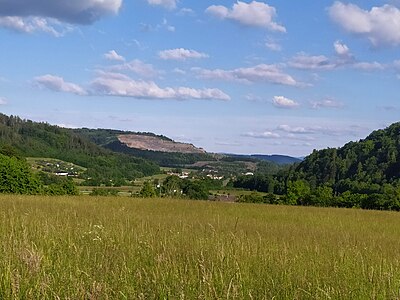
32, 139
362, 174
360, 167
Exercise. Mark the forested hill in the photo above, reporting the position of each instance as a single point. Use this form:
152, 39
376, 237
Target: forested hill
32, 139
363, 167
110, 139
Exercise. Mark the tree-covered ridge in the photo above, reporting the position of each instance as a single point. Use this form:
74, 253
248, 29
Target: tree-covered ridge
362, 174
32, 139
362, 166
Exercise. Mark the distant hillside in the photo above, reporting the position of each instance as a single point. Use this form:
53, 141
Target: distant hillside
157, 148
154, 143
275, 158
279, 159
32, 139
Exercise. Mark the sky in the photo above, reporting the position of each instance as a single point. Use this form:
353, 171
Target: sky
245, 77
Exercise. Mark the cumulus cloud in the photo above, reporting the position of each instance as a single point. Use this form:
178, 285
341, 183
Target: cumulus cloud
283, 102
58, 84
71, 11
380, 25
344, 59
258, 73
138, 67
115, 84
34, 24
342, 50
255, 13
113, 55
312, 62
169, 4
121, 85
180, 54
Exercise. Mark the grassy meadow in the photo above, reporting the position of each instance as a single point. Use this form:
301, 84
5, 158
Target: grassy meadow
124, 248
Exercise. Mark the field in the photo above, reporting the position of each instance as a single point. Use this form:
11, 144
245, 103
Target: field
125, 248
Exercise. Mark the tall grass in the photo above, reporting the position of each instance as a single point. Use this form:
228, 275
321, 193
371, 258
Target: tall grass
123, 248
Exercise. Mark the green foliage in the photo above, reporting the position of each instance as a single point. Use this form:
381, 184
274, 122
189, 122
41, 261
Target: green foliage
258, 182
196, 190
297, 192
172, 186
17, 178
175, 187
357, 172
58, 185
374, 160
147, 190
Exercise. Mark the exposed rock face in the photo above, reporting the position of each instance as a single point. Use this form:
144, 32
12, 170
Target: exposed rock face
153, 143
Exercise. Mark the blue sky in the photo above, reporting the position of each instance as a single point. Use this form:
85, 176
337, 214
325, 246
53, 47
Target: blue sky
265, 77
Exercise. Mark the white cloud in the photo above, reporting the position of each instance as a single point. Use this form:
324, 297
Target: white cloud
380, 25
180, 54
3, 101
179, 71
186, 12
312, 62
273, 46
297, 130
57, 84
115, 84
283, 102
341, 49
120, 85
138, 67
34, 24
113, 55
322, 63
326, 103
258, 73
369, 66
262, 135
169, 4
255, 13
254, 98
71, 11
